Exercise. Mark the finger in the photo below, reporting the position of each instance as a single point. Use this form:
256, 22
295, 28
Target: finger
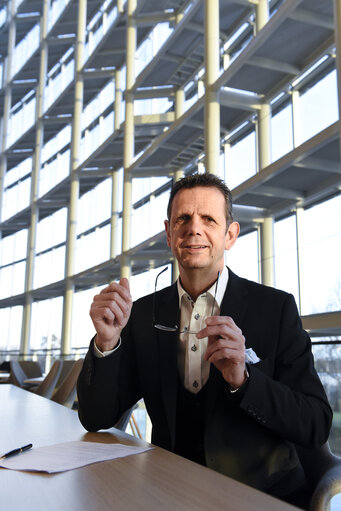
236, 356
121, 287
220, 320
221, 330
112, 301
125, 283
223, 344
114, 291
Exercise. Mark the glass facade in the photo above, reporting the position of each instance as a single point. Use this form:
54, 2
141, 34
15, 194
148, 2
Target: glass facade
105, 103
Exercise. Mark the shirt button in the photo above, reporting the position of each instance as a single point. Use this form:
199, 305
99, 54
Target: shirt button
195, 384
197, 316
194, 348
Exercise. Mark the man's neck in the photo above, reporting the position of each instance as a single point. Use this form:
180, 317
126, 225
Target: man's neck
197, 281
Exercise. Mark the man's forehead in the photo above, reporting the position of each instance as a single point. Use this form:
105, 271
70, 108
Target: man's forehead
199, 198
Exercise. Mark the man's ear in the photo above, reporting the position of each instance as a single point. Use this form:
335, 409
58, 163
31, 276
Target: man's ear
167, 229
232, 235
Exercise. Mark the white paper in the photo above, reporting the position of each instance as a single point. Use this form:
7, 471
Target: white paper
67, 456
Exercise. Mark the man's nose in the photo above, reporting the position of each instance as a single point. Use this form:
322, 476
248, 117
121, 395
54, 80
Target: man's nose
195, 226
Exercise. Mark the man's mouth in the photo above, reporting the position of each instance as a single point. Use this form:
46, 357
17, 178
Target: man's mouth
195, 247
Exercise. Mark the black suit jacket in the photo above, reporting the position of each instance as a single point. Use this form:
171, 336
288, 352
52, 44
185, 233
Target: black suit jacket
250, 435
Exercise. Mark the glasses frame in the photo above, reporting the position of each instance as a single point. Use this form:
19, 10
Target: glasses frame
175, 328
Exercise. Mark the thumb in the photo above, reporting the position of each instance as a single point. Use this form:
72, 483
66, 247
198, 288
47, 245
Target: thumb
125, 283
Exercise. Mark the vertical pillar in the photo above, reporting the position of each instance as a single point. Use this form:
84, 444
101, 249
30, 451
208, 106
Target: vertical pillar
74, 185
267, 252
175, 267
118, 100
128, 145
114, 215
264, 136
212, 106
114, 179
296, 118
36, 164
179, 103
299, 213
337, 24
262, 14
7, 73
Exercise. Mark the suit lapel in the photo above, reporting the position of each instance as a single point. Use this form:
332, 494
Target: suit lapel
168, 314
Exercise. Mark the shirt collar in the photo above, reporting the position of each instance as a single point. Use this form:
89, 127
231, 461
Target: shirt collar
222, 283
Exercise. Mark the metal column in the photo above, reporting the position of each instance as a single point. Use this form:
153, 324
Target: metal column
212, 106
299, 214
129, 133
74, 187
36, 165
11, 9
266, 230
114, 179
337, 23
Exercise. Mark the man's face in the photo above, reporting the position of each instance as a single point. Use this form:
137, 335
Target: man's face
197, 232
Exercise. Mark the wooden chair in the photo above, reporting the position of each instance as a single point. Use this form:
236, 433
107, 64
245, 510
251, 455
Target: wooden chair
31, 368
323, 472
47, 386
66, 393
17, 375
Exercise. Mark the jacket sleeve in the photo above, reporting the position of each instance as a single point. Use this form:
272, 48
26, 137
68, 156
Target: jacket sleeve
107, 386
284, 393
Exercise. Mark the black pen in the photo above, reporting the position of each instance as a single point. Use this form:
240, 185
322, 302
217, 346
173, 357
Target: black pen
16, 451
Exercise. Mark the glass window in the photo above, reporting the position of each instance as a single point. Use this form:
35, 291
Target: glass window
286, 268
46, 324
243, 256
83, 331
320, 249
10, 320
240, 163
328, 365
318, 106
281, 133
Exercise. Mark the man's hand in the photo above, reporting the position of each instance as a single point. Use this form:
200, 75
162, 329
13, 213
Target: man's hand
225, 348
110, 311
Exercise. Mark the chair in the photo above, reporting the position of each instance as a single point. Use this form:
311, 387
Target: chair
47, 386
66, 393
17, 375
67, 364
5, 366
123, 421
31, 368
323, 472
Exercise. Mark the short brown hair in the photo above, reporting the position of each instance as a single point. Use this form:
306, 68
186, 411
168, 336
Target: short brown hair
205, 180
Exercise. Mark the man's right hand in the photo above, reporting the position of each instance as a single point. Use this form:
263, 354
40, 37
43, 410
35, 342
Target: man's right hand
110, 311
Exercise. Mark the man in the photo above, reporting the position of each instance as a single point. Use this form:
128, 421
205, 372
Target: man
222, 363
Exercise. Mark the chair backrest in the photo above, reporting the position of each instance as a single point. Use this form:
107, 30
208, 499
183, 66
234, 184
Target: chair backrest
17, 375
67, 365
323, 472
47, 386
122, 422
66, 393
5, 366
31, 368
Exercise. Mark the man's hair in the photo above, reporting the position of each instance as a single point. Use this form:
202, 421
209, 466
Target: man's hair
204, 180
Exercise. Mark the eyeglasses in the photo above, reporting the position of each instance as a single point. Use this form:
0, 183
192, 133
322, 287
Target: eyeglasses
175, 328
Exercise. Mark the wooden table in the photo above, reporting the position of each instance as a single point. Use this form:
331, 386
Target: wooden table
154, 480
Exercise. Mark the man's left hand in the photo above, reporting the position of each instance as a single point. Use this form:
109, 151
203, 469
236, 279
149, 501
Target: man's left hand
225, 348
